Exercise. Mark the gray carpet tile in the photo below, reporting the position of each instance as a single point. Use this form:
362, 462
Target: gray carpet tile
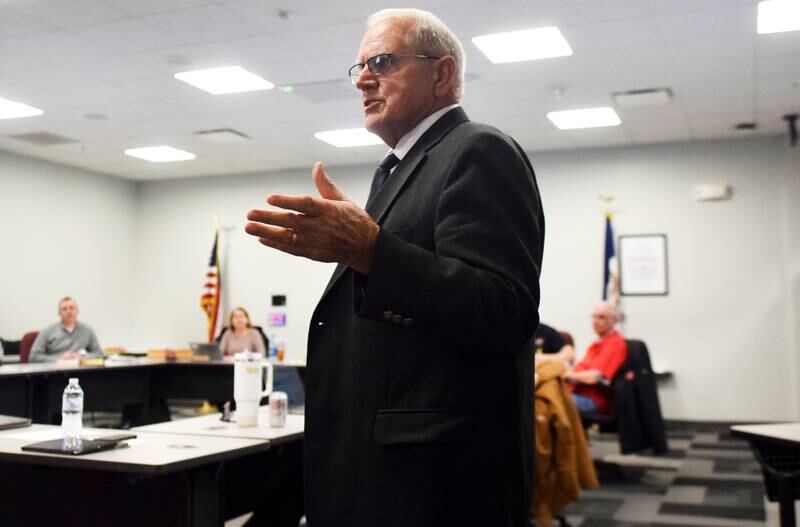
595, 507
721, 445
707, 479
716, 511
749, 466
675, 434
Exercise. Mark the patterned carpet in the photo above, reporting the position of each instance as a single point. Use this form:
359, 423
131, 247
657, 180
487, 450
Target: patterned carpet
707, 479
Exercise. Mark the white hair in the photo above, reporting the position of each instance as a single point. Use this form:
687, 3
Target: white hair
610, 308
429, 36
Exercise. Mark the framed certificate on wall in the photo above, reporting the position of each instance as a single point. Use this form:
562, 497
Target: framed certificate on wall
643, 264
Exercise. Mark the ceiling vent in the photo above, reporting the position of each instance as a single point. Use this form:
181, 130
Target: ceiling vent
44, 139
222, 135
642, 98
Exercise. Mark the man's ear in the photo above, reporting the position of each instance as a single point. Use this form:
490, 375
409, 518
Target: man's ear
444, 76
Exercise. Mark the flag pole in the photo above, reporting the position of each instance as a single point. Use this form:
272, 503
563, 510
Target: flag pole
611, 291
210, 299
217, 293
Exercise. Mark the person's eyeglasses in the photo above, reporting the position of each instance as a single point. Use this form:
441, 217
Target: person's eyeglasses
379, 64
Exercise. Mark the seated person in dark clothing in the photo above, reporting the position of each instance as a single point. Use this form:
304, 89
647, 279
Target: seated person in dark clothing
548, 344
590, 377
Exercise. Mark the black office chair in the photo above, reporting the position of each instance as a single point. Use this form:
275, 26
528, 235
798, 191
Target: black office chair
10, 347
637, 415
781, 468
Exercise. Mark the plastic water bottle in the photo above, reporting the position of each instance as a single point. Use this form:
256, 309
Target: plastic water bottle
272, 352
72, 415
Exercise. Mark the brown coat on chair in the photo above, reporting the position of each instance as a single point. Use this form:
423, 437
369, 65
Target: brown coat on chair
563, 463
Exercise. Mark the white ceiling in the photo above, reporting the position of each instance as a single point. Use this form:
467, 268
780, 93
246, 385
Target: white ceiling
117, 57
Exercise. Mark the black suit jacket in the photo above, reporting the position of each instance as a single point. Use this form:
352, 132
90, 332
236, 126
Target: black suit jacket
419, 384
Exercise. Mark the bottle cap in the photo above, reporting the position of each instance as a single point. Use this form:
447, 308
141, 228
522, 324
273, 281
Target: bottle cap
73, 380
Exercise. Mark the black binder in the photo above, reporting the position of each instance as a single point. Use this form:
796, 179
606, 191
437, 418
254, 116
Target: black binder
56, 446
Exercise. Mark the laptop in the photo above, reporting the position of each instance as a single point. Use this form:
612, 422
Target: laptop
209, 349
10, 421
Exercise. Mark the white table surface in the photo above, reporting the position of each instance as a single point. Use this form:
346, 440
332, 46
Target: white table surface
211, 425
17, 368
782, 431
67, 366
148, 453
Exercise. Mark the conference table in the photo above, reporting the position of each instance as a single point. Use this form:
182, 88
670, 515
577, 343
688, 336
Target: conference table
140, 385
776, 447
191, 472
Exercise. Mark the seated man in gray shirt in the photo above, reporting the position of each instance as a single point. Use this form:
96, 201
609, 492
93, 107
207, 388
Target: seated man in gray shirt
68, 339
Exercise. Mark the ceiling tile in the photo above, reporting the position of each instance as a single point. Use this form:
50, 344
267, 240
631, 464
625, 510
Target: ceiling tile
125, 36
16, 24
201, 24
144, 7
706, 51
711, 23
72, 13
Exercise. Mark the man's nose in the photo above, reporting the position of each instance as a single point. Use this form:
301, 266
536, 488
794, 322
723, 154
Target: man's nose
365, 80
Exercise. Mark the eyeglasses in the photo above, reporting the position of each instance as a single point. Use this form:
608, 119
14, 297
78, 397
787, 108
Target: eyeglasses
379, 64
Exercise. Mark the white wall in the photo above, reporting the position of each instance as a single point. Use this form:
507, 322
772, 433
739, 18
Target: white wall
791, 205
65, 231
135, 256
724, 328
175, 237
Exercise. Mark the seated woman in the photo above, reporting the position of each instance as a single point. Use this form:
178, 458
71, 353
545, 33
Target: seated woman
241, 335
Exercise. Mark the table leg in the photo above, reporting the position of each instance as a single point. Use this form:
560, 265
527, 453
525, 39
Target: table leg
786, 503
206, 509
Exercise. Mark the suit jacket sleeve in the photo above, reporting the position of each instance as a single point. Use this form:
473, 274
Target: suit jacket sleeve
479, 284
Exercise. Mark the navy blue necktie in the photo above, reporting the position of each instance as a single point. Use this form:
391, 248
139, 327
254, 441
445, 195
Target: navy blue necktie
381, 173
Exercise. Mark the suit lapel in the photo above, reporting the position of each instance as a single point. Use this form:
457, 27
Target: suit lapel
396, 182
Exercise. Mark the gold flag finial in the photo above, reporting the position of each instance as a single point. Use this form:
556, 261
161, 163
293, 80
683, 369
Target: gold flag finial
607, 200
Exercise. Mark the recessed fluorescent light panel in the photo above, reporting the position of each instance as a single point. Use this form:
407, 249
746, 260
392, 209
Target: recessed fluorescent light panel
777, 16
529, 44
160, 154
11, 110
349, 137
585, 118
230, 79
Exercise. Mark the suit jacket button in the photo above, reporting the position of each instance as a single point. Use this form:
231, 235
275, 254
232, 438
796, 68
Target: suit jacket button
397, 319
387, 315
407, 321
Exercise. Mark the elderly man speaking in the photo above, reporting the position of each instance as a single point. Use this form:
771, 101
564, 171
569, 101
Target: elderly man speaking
419, 380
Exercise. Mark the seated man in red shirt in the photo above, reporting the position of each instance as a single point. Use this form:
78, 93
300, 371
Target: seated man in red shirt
590, 377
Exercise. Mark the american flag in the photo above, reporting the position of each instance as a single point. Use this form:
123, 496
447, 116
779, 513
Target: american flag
210, 300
